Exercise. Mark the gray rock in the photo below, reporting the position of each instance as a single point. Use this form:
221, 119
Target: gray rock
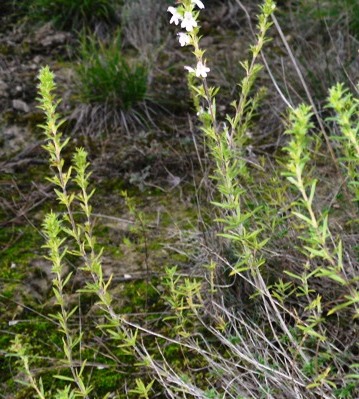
20, 105
3, 89
46, 36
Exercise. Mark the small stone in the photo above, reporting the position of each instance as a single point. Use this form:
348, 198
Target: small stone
20, 105
56, 39
3, 89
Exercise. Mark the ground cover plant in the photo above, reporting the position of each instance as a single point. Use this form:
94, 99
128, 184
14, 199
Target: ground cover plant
270, 308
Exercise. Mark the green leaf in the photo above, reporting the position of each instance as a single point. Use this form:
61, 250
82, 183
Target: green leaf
305, 218
332, 274
316, 252
312, 192
64, 378
295, 276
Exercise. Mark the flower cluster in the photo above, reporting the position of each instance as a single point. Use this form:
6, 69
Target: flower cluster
184, 15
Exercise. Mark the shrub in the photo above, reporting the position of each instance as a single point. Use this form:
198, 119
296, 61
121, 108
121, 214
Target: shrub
333, 10
144, 27
73, 14
7, 6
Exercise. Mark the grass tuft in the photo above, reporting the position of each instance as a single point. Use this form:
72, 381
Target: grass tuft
107, 76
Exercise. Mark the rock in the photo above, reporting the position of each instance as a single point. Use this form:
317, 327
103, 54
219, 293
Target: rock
207, 41
37, 59
20, 105
36, 62
3, 89
46, 36
13, 139
57, 38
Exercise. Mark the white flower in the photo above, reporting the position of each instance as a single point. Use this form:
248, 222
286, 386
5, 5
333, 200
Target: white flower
189, 69
200, 71
184, 39
176, 16
198, 3
200, 111
188, 21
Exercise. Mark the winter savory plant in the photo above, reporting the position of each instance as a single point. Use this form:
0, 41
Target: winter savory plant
279, 337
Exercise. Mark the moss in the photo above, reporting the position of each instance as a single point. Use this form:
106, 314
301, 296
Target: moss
140, 294
5, 49
179, 258
155, 245
106, 381
17, 246
42, 338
